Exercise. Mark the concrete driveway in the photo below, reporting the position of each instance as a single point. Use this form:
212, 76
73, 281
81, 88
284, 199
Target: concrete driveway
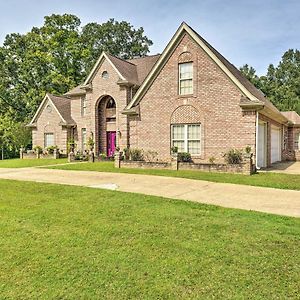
275, 201
285, 167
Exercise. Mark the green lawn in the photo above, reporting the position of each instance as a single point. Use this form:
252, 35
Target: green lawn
23, 163
66, 242
275, 180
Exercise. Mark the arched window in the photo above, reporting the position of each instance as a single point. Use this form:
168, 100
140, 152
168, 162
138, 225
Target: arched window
111, 103
105, 75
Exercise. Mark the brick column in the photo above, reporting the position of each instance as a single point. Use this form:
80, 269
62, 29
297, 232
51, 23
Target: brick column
248, 167
21, 153
55, 154
118, 156
174, 161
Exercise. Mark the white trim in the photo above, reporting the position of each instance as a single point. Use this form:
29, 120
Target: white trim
186, 139
42, 105
97, 65
166, 52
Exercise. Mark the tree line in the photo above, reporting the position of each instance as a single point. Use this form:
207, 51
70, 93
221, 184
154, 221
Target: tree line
281, 84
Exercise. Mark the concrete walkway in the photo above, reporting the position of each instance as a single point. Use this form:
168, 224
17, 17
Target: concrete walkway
275, 201
292, 167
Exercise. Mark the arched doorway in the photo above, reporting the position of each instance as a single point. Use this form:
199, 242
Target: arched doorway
106, 126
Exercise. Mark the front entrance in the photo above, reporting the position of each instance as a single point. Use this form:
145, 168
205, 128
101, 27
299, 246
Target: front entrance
111, 143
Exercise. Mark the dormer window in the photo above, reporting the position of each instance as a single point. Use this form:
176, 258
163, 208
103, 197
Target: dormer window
186, 78
105, 75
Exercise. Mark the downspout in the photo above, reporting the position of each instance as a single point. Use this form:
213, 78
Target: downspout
256, 141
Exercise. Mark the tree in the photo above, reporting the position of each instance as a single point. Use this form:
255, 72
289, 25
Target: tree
117, 38
56, 57
281, 84
250, 73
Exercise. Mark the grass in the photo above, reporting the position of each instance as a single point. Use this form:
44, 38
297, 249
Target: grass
274, 180
66, 242
24, 163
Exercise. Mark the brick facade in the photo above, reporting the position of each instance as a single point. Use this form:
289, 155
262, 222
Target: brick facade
214, 104
49, 122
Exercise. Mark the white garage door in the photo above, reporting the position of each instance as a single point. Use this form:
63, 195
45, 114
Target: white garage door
261, 145
275, 144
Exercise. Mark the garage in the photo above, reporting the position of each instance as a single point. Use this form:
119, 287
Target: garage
275, 144
261, 145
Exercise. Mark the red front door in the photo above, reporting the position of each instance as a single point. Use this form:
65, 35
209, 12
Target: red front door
111, 143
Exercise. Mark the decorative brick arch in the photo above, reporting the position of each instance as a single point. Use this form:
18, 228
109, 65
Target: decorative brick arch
101, 124
186, 114
185, 57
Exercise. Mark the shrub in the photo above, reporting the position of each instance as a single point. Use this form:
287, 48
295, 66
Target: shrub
51, 149
136, 154
126, 153
90, 143
184, 157
102, 156
174, 149
248, 149
233, 157
38, 149
150, 155
212, 159
71, 145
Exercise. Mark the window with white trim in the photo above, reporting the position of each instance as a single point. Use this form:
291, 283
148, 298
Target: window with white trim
297, 141
187, 138
48, 140
83, 105
186, 78
83, 138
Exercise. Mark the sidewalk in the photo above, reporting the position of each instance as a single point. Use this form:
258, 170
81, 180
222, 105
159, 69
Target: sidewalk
275, 201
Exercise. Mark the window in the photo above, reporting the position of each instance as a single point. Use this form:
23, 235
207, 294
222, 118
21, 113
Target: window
186, 78
48, 140
83, 105
186, 138
83, 138
105, 75
297, 141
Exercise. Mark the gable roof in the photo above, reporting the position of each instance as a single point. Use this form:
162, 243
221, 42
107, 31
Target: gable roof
133, 71
254, 95
292, 116
144, 65
78, 90
62, 105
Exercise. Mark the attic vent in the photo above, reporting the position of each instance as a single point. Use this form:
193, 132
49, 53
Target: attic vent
105, 75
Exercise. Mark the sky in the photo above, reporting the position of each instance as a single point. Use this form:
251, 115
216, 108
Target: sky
256, 32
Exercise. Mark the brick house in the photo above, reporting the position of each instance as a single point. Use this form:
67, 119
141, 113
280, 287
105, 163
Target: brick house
190, 96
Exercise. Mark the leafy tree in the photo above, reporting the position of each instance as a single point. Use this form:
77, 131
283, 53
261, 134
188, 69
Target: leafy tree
281, 84
118, 38
56, 57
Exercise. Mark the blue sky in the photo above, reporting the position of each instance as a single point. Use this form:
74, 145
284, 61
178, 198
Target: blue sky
256, 32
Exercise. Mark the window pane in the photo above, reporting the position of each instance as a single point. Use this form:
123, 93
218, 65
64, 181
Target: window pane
186, 70
186, 86
178, 132
194, 147
49, 139
179, 145
194, 132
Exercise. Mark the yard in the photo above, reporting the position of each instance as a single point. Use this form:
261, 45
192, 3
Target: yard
274, 180
66, 242
24, 163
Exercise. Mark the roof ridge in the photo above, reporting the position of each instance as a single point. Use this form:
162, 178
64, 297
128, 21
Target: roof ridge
143, 57
120, 59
